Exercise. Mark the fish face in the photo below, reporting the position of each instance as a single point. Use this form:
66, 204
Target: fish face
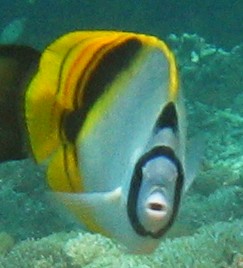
155, 192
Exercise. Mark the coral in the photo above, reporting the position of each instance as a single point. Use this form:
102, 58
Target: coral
92, 251
225, 204
24, 204
6, 243
46, 252
209, 74
238, 261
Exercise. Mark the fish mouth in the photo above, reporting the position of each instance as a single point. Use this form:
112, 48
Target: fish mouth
156, 207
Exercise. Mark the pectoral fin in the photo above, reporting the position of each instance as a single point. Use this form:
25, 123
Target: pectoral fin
94, 210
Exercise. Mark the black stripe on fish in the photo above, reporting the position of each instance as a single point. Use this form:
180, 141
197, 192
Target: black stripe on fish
66, 168
168, 118
61, 69
111, 64
68, 117
60, 75
135, 185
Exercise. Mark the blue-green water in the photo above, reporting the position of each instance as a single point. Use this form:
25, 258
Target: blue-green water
209, 229
219, 22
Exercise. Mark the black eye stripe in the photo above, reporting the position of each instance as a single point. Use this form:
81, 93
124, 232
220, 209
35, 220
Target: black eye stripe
136, 184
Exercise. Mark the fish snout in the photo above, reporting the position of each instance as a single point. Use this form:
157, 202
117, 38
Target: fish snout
157, 207
157, 212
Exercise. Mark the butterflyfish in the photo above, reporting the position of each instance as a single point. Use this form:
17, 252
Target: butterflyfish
104, 113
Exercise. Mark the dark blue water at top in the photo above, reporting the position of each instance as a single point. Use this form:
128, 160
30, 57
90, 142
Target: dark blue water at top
219, 22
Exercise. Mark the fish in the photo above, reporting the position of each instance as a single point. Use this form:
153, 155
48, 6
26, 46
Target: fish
17, 65
104, 113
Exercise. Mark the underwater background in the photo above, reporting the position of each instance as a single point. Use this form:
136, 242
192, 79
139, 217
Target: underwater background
207, 39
